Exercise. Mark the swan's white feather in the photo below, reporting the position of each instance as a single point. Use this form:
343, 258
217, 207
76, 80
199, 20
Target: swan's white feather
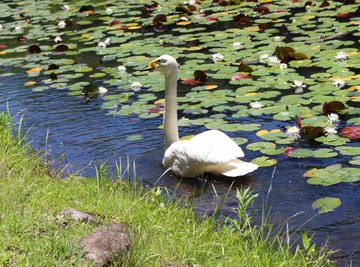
211, 151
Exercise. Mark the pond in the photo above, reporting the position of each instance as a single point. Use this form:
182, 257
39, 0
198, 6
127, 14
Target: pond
264, 71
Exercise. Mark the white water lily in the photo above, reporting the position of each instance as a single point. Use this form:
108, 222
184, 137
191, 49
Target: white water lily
107, 41
333, 118
217, 57
121, 68
299, 86
109, 11
299, 90
283, 66
1, 27
58, 39
136, 86
273, 60
237, 44
293, 132
298, 83
102, 90
66, 7
341, 56
264, 57
18, 28
339, 83
256, 105
330, 130
277, 38
61, 24
101, 45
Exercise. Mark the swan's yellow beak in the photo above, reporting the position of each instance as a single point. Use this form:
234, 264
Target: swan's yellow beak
152, 65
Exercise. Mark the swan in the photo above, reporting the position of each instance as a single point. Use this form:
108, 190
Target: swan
209, 152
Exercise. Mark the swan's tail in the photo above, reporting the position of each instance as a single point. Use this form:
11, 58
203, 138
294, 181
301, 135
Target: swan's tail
234, 168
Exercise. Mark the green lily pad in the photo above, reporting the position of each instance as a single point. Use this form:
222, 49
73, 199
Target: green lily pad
348, 150
324, 153
264, 161
326, 204
301, 153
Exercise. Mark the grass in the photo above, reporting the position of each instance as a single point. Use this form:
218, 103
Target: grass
164, 231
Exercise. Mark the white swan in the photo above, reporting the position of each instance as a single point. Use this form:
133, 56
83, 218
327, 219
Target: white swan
211, 151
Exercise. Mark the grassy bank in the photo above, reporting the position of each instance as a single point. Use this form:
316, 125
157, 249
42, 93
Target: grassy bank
31, 234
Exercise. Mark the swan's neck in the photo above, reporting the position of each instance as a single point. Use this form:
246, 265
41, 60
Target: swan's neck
170, 116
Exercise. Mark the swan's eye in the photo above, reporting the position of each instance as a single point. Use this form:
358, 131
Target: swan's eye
162, 61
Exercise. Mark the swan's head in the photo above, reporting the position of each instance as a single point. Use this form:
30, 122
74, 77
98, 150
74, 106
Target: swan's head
165, 64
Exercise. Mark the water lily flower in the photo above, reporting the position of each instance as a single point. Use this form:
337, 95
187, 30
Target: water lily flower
217, 57
136, 86
277, 38
273, 60
333, 118
299, 90
237, 44
339, 83
293, 132
1, 27
121, 68
264, 57
256, 105
341, 56
18, 28
283, 66
61, 24
288, 150
107, 41
66, 7
102, 90
298, 83
299, 86
109, 11
58, 39
101, 45
330, 130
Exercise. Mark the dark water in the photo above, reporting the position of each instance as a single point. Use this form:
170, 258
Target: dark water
79, 134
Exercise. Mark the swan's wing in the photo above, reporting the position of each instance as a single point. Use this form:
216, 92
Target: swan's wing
213, 147
202, 153
233, 168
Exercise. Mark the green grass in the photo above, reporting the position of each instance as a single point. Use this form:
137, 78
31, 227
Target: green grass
32, 235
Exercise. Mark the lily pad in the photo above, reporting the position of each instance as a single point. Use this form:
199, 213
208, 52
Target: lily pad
326, 204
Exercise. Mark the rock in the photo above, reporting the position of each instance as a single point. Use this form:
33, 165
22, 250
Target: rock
78, 216
107, 244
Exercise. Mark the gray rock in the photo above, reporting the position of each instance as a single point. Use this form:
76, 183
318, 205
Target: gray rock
77, 216
107, 244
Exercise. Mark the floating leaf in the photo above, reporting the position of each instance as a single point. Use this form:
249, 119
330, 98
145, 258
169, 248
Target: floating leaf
324, 153
326, 204
311, 132
348, 150
264, 161
301, 153
34, 49
333, 107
